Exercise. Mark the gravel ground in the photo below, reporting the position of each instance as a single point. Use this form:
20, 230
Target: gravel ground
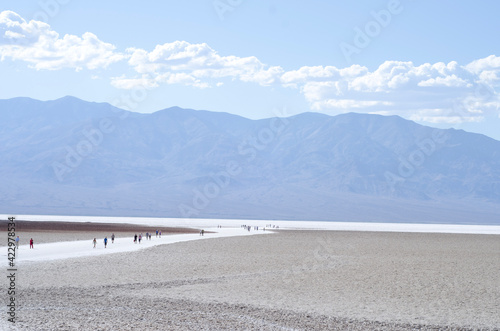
290, 280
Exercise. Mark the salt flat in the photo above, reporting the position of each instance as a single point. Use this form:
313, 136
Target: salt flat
289, 280
300, 225
83, 248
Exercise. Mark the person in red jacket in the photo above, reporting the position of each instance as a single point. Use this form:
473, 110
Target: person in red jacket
31, 243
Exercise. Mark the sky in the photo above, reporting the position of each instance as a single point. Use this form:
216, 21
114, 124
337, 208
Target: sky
434, 62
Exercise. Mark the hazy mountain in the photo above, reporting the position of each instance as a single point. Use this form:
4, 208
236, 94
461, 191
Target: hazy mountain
69, 156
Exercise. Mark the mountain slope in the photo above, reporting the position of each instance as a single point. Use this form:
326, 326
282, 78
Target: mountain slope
69, 156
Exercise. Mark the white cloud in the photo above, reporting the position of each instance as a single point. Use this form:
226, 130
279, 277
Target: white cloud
198, 65
347, 104
395, 87
34, 42
308, 74
133, 83
390, 75
436, 116
450, 81
181, 78
317, 91
464, 93
488, 69
432, 92
491, 62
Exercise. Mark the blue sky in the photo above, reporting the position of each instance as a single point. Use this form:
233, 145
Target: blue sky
433, 62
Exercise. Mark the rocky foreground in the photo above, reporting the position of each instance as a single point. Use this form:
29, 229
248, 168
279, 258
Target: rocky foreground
290, 280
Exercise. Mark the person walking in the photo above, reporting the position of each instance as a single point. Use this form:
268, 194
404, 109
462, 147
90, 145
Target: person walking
112, 238
17, 242
95, 242
140, 237
135, 239
105, 241
31, 243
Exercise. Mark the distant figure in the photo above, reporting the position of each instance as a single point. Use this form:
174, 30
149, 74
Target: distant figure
105, 241
112, 238
160, 233
31, 244
140, 237
150, 236
17, 242
135, 239
95, 242
156, 233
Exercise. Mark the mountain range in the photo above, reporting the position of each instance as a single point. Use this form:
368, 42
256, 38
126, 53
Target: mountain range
72, 157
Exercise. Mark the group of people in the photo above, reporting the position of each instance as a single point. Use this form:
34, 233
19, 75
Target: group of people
137, 238
148, 236
248, 227
18, 240
105, 241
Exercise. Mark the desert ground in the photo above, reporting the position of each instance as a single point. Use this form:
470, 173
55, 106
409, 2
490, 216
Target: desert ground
55, 231
289, 280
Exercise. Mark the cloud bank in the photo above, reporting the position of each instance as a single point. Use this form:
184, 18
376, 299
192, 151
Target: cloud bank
34, 42
430, 92
196, 65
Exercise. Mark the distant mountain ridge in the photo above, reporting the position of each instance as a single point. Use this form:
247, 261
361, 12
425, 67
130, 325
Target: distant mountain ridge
70, 156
